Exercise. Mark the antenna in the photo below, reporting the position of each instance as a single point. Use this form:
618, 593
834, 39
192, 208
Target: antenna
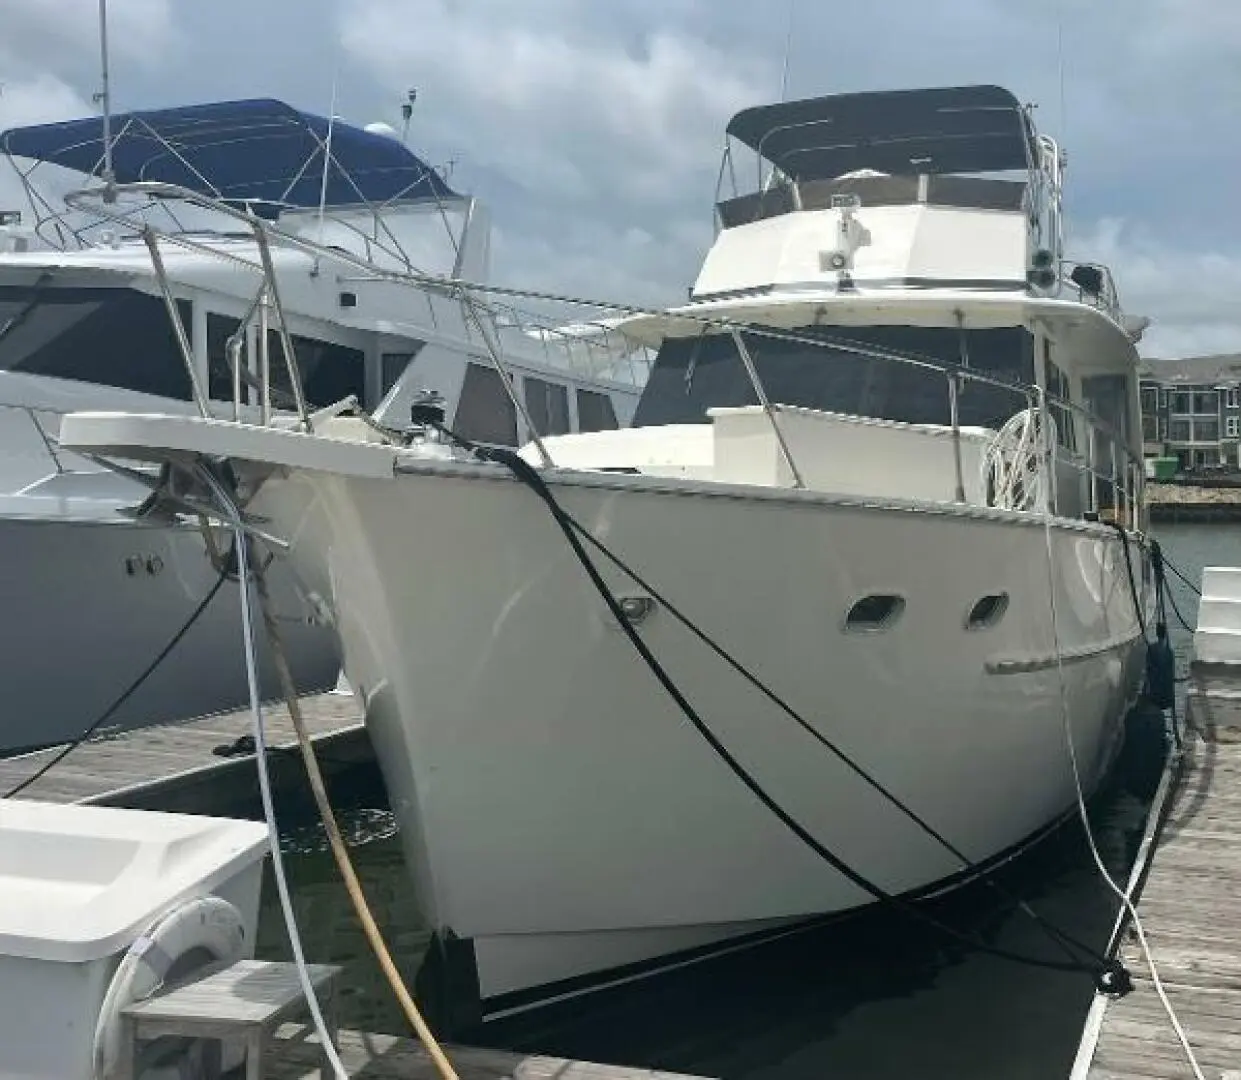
104, 97
788, 49
407, 111
1060, 62
327, 151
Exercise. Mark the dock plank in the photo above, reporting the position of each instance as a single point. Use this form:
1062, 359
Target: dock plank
113, 767
295, 1055
1189, 909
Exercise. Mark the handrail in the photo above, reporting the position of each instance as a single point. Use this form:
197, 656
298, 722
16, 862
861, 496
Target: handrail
499, 310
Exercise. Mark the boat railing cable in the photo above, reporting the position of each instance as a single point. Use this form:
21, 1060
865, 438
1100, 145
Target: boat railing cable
468, 294
1083, 813
129, 691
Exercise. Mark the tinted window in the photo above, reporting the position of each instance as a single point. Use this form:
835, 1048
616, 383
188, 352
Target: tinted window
485, 414
595, 412
692, 375
1058, 389
219, 371
1107, 397
116, 337
548, 406
329, 372
391, 367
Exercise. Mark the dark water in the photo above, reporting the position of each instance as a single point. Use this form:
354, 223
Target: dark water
874, 995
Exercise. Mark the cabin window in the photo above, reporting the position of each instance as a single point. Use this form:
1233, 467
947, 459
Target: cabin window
839, 374
329, 372
548, 406
392, 366
1150, 400
1107, 397
987, 611
1059, 395
219, 371
595, 412
876, 612
484, 412
114, 337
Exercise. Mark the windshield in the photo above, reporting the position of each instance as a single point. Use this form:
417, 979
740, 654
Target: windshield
115, 337
692, 375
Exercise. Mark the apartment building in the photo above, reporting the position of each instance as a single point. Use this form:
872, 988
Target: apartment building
1191, 410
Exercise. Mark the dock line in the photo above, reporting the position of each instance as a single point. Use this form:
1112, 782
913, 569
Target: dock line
1108, 974
1123, 894
129, 691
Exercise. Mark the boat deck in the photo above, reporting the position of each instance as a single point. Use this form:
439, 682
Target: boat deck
1188, 906
171, 766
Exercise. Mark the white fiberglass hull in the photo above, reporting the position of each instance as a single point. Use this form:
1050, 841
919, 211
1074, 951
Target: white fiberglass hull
90, 602
559, 811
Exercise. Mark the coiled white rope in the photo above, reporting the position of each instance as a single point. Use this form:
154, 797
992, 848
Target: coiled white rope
1011, 464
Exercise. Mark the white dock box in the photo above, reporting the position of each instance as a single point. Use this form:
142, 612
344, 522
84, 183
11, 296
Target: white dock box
78, 886
1217, 638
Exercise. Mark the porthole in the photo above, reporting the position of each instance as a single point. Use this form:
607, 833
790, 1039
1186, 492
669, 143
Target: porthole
875, 612
987, 611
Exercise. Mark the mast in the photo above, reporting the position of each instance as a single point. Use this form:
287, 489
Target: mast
104, 97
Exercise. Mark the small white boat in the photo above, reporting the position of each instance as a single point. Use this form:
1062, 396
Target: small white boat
887, 458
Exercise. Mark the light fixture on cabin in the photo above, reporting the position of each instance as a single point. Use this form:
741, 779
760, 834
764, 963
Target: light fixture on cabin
850, 234
1042, 272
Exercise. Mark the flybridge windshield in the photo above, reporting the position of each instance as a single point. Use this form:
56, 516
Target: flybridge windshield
692, 375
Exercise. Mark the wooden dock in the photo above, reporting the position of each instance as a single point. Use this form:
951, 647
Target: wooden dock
386, 1057
174, 766
1189, 903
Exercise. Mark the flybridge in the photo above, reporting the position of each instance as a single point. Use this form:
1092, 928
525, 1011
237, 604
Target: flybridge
887, 148
360, 189
257, 151
884, 175
967, 129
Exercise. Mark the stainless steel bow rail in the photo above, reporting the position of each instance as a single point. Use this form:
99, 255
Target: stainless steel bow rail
1110, 475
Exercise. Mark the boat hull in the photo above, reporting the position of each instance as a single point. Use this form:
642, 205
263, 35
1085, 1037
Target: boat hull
105, 594
559, 812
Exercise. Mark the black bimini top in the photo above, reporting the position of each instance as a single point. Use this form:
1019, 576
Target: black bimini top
962, 129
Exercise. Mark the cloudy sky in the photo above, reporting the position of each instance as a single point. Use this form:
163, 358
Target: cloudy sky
593, 127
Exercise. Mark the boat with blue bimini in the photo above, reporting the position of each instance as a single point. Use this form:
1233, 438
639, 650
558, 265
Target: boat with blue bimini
855, 582
101, 571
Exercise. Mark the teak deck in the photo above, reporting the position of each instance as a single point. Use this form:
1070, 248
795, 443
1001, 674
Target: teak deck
1190, 908
172, 766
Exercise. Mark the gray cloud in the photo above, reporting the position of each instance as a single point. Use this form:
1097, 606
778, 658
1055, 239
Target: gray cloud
594, 130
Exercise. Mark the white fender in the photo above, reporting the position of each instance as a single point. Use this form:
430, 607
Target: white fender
207, 923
